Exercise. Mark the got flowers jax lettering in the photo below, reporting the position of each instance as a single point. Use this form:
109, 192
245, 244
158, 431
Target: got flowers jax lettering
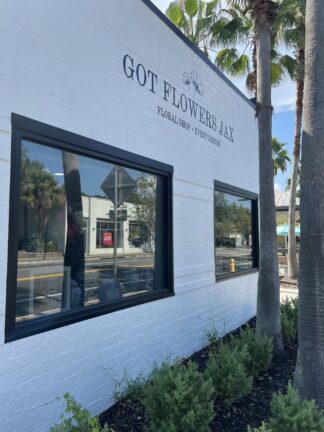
213, 127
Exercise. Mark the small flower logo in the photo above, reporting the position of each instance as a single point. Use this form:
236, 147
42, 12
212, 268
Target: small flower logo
193, 79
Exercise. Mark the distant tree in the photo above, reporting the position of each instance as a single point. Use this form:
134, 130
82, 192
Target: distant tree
231, 218
143, 199
298, 183
279, 156
291, 29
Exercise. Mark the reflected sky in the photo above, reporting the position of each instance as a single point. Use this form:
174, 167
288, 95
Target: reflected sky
92, 172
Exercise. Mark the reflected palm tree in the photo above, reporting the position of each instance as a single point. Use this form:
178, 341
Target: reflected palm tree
39, 191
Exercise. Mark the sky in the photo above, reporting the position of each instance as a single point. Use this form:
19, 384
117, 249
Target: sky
283, 101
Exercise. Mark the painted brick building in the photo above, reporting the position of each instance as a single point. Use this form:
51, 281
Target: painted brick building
91, 107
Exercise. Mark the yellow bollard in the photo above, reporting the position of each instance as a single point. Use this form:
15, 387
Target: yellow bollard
232, 265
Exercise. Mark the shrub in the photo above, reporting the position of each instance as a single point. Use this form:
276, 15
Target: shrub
225, 367
178, 399
78, 419
289, 319
212, 336
291, 413
259, 348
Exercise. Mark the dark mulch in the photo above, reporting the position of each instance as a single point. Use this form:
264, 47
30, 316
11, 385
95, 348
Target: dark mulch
129, 416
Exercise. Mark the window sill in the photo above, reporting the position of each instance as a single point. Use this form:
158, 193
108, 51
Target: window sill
65, 318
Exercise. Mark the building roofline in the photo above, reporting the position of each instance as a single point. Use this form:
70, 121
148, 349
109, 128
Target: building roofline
195, 49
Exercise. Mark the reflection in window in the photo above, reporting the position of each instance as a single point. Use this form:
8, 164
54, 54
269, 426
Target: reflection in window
233, 233
138, 235
72, 208
105, 234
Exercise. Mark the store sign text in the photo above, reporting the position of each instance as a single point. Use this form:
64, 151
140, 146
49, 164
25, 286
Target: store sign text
150, 80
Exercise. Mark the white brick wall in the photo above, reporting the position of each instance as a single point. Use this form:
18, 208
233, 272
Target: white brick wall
61, 63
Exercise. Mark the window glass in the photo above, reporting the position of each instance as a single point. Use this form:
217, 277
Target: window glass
90, 232
234, 243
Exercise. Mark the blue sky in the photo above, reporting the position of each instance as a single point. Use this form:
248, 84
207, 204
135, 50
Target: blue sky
283, 100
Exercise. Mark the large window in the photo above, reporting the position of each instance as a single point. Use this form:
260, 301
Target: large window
235, 231
74, 206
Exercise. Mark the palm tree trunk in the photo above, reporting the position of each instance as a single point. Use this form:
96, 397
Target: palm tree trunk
74, 249
309, 374
268, 302
292, 259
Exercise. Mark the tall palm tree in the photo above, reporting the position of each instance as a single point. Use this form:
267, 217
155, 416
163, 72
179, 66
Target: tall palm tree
291, 24
263, 13
279, 156
309, 374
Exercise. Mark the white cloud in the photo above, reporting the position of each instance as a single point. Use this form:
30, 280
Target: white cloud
283, 97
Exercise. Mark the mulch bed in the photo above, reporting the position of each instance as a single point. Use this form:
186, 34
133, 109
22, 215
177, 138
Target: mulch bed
129, 416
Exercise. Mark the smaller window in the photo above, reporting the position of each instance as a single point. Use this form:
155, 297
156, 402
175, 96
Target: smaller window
236, 229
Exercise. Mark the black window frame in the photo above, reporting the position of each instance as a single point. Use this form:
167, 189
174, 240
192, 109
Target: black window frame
254, 197
24, 128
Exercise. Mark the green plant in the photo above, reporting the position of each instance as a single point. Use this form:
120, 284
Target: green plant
212, 336
225, 367
289, 319
178, 399
78, 419
259, 348
130, 388
290, 413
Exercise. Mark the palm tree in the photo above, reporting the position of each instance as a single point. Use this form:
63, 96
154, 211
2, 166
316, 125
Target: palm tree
279, 156
263, 13
298, 182
194, 18
238, 28
291, 24
309, 374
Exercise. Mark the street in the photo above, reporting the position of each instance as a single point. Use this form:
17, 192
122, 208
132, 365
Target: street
40, 284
